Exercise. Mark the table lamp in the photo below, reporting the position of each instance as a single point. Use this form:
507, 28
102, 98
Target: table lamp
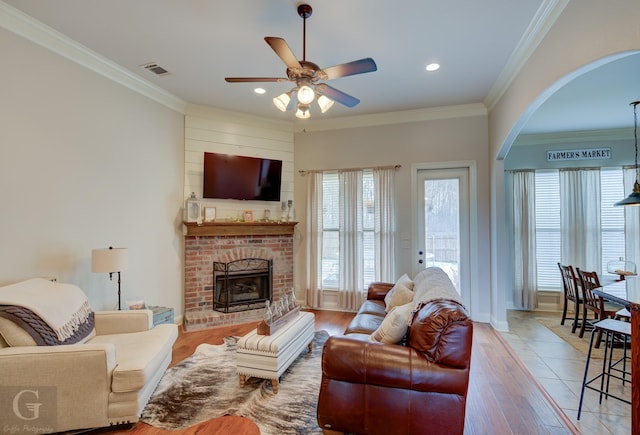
109, 260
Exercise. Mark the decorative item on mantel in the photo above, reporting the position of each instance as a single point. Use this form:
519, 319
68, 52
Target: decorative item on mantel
290, 212
192, 209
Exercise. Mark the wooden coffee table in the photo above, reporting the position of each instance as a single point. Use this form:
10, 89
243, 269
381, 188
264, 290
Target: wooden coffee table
269, 356
231, 424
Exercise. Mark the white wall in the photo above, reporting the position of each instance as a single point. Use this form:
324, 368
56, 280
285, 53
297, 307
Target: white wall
439, 140
211, 130
86, 163
587, 33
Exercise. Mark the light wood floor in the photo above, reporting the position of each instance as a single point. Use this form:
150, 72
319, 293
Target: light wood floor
503, 397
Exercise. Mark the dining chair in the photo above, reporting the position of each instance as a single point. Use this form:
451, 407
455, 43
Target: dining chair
595, 304
570, 284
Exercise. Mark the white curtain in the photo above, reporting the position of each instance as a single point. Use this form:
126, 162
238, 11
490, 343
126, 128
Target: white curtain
351, 235
631, 221
580, 218
314, 238
524, 238
351, 276
385, 224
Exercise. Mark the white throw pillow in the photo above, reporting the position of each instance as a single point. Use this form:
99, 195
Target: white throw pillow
401, 296
403, 281
394, 325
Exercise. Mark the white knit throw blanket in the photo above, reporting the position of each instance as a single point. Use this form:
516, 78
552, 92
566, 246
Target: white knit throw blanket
64, 307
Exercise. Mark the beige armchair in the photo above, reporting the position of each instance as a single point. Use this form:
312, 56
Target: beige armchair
103, 379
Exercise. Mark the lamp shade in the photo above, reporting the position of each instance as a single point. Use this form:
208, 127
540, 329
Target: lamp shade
282, 101
303, 111
306, 94
633, 198
109, 260
325, 103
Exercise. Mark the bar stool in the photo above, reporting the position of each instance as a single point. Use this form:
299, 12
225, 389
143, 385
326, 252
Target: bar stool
625, 316
616, 331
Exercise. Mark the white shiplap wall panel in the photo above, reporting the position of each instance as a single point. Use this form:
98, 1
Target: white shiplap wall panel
209, 136
209, 131
238, 127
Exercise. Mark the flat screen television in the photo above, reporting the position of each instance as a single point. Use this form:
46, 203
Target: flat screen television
237, 177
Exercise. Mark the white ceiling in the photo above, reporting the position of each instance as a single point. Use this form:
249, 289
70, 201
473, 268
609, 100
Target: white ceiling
202, 41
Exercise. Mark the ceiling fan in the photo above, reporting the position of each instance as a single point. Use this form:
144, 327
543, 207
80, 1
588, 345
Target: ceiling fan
307, 75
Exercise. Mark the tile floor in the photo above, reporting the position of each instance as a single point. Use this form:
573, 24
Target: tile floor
559, 368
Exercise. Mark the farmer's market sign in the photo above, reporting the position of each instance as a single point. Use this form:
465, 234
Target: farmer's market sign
586, 154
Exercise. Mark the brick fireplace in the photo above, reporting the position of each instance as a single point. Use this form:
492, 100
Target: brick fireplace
227, 242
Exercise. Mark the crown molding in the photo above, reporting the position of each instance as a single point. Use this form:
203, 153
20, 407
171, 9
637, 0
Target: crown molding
545, 17
400, 117
574, 137
35, 31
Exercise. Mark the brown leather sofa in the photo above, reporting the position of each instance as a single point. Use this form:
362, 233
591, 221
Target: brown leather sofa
418, 386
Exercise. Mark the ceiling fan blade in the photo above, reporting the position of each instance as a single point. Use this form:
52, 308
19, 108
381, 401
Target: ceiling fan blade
337, 95
254, 79
283, 51
351, 68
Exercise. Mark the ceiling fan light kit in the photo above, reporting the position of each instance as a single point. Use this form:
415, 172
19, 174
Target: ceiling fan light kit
306, 76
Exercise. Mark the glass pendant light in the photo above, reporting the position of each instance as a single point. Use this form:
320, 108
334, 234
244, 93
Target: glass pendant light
324, 103
306, 94
634, 197
303, 111
282, 101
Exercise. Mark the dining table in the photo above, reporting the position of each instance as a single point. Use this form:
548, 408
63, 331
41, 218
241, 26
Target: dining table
627, 292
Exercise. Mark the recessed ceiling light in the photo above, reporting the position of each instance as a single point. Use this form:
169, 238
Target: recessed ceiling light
259, 91
433, 67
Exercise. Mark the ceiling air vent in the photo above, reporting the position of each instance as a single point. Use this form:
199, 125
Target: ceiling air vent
156, 69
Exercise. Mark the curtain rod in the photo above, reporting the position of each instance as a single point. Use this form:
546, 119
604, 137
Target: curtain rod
311, 171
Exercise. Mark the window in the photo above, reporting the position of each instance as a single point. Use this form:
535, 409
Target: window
548, 229
330, 231
330, 277
612, 218
548, 223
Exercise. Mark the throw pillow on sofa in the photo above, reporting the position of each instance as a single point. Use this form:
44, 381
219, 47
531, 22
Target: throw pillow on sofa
400, 293
395, 325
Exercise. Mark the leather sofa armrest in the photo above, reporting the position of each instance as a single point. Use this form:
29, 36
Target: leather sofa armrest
378, 290
357, 361
121, 322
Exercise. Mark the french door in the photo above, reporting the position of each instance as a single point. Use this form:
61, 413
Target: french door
442, 223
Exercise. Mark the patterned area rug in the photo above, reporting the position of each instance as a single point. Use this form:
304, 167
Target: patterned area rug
206, 386
580, 344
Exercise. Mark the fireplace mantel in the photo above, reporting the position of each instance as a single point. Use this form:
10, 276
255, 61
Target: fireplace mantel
230, 228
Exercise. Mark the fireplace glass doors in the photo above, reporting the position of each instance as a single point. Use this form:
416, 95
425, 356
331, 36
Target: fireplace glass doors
242, 284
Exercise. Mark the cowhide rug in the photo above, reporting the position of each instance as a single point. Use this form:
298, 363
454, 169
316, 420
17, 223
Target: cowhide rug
206, 386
